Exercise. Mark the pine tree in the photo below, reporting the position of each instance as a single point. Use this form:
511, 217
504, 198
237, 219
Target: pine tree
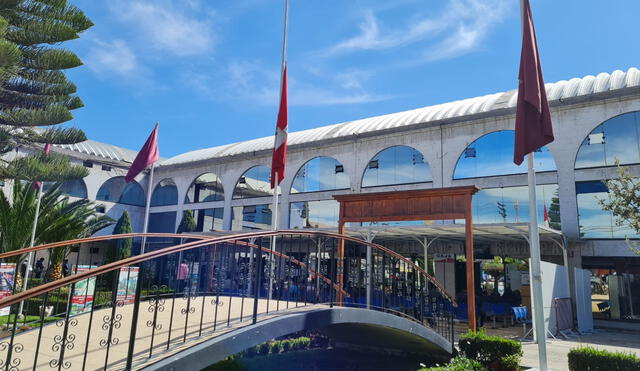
188, 223
35, 94
502, 211
554, 212
121, 248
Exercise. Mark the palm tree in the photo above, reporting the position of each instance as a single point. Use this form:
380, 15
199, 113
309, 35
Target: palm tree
60, 219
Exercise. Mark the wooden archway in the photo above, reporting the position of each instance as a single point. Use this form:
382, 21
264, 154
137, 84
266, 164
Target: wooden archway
428, 204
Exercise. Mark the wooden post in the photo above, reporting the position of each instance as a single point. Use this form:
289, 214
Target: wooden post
471, 291
340, 263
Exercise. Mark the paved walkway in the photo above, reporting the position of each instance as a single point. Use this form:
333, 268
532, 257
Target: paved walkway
91, 333
557, 350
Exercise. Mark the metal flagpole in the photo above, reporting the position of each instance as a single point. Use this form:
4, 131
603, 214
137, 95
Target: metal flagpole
25, 279
536, 284
275, 190
146, 210
274, 226
534, 247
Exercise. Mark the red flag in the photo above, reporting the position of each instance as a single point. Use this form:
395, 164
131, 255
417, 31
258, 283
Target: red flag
280, 145
46, 150
545, 216
147, 156
533, 119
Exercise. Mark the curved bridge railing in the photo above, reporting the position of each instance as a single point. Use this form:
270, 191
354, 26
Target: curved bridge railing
126, 313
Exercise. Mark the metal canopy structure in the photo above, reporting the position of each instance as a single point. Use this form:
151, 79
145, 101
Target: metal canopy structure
429, 204
455, 232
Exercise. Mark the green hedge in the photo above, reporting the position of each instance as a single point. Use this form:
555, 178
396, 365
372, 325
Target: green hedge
494, 352
278, 346
458, 364
592, 359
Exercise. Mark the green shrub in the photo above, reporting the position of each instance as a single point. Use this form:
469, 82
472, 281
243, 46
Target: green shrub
286, 345
226, 365
300, 343
494, 352
459, 364
276, 347
592, 359
263, 349
251, 352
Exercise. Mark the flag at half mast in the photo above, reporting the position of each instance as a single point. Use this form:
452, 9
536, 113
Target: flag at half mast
279, 158
533, 119
148, 155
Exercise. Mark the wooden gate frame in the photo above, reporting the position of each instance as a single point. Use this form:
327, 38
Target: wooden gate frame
428, 204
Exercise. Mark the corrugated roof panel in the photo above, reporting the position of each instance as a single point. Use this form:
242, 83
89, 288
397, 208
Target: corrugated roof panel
555, 91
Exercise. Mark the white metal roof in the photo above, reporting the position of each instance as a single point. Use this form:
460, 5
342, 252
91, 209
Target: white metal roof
99, 149
555, 91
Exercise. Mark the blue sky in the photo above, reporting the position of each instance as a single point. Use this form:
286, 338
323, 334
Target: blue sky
208, 70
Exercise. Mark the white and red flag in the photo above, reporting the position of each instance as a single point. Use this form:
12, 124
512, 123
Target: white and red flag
279, 158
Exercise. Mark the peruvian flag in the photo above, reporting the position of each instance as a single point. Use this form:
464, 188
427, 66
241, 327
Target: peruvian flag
147, 156
280, 145
546, 216
533, 119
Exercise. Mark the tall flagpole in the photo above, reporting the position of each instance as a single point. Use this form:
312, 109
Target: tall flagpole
274, 221
145, 226
25, 279
146, 209
534, 247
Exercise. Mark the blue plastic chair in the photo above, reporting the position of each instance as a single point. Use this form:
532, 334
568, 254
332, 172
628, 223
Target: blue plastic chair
520, 316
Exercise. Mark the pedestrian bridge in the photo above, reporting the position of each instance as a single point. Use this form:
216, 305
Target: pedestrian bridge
205, 298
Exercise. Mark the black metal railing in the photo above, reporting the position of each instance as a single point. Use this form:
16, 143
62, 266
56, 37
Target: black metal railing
124, 314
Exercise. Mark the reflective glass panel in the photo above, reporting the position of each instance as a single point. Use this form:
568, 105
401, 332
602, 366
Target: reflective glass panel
117, 190
208, 220
615, 139
72, 188
162, 222
207, 187
396, 165
320, 174
492, 154
314, 214
254, 217
133, 195
166, 193
111, 190
595, 222
511, 205
255, 182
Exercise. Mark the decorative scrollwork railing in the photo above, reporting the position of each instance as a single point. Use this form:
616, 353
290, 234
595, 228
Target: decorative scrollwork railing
204, 287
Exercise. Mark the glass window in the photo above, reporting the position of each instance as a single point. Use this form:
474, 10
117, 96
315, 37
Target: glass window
162, 222
511, 205
492, 154
254, 217
72, 188
396, 165
314, 214
165, 193
207, 187
595, 222
255, 182
615, 139
208, 220
320, 174
117, 190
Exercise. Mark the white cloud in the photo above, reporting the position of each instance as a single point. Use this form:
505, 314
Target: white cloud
115, 57
250, 82
167, 27
458, 29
